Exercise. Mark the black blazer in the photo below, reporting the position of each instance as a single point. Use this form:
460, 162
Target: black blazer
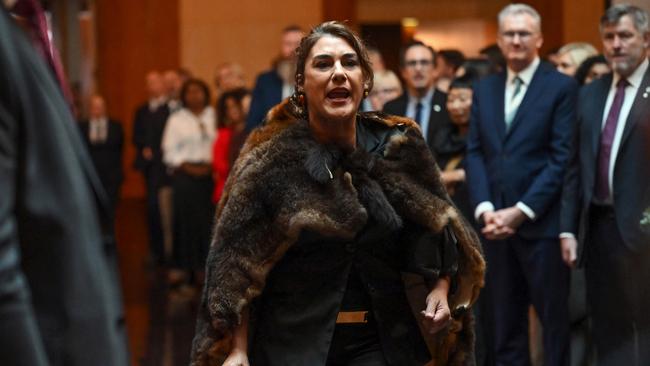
266, 94
59, 299
631, 184
107, 157
438, 118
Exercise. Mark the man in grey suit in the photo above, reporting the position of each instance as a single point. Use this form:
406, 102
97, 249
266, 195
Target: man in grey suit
605, 217
59, 300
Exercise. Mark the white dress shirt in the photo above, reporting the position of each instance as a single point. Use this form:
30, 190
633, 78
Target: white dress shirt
425, 113
287, 90
155, 103
188, 138
631, 91
98, 130
510, 105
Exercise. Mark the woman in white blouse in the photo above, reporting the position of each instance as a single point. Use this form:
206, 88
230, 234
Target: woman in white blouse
187, 152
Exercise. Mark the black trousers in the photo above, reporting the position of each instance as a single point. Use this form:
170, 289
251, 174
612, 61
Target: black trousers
523, 272
356, 345
618, 293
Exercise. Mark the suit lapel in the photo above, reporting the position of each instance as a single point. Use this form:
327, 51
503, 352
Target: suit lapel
640, 107
499, 102
437, 108
532, 93
402, 103
595, 118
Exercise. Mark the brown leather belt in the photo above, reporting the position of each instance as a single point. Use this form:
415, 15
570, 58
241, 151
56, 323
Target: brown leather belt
350, 317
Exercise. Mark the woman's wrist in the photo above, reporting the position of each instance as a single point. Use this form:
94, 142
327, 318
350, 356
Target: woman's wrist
442, 285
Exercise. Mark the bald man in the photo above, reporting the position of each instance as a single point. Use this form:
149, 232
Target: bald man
105, 139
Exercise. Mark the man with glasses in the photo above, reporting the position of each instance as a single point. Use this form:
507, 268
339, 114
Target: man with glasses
421, 102
517, 152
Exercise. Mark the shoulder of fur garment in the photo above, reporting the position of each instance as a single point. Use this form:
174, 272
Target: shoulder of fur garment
284, 182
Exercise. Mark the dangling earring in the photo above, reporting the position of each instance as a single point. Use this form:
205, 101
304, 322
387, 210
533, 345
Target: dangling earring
301, 99
365, 93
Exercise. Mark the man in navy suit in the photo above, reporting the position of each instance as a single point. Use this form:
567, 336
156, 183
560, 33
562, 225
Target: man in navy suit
606, 195
104, 138
277, 84
518, 149
421, 101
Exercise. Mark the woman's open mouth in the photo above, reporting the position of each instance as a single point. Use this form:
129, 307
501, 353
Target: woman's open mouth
338, 95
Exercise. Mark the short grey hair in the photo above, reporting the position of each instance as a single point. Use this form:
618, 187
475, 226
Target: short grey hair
518, 8
614, 14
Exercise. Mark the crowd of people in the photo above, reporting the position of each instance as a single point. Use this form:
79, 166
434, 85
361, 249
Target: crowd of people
542, 156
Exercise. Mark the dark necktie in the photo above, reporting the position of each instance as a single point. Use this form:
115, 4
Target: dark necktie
418, 113
606, 139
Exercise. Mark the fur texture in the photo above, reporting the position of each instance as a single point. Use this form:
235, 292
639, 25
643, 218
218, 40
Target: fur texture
284, 182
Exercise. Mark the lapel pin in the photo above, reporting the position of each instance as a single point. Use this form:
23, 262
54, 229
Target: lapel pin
437, 108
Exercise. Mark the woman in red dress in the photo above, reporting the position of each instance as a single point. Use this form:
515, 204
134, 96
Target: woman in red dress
232, 108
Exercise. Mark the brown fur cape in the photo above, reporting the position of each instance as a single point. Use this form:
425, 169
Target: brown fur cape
284, 182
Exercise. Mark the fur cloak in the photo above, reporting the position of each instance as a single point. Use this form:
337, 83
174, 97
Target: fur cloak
284, 181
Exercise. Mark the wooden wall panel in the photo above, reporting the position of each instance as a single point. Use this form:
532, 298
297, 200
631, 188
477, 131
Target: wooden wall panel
341, 10
247, 32
133, 37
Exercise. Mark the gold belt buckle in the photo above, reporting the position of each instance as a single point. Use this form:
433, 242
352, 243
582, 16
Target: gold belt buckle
351, 317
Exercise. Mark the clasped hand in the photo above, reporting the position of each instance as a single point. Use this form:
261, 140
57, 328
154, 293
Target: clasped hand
437, 314
502, 224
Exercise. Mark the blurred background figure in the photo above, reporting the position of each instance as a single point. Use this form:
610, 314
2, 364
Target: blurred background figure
173, 81
378, 67
148, 126
60, 302
276, 84
571, 55
228, 76
447, 64
105, 138
231, 122
386, 87
451, 145
474, 68
492, 53
187, 151
376, 60
591, 69
552, 56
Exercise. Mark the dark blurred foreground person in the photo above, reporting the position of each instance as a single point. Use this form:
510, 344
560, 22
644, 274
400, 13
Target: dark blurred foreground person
59, 302
323, 210
606, 197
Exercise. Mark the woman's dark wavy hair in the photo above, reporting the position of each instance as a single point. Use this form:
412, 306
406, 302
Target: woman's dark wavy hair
238, 96
583, 70
201, 84
339, 30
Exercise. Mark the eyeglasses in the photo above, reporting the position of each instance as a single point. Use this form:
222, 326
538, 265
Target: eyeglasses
414, 63
510, 35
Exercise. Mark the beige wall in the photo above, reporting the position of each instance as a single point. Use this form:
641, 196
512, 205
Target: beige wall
467, 25
245, 31
471, 24
426, 10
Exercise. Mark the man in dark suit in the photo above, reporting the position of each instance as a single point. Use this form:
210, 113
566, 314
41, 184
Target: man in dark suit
59, 299
277, 84
517, 152
104, 138
606, 195
421, 102
148, 127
